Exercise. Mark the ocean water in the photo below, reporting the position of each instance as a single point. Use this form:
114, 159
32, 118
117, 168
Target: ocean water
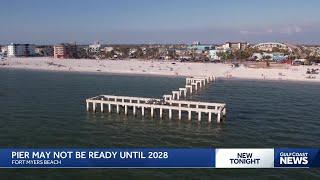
47, 109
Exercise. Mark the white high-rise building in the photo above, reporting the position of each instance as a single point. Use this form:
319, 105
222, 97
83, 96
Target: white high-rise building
17, 50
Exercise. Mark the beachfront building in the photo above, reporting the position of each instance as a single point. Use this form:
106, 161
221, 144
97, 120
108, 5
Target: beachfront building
270, 46
269, 56
133, 52
1, 54
199, 48
20, 50
213, 54
44, 51
65, 51
95, 47
107, 49
4, 49
196, 43
234, 46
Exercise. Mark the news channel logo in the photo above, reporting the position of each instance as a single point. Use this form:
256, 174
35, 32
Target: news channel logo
296, 158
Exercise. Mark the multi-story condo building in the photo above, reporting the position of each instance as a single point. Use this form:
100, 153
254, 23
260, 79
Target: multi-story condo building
65, 51
18, 50
235, 45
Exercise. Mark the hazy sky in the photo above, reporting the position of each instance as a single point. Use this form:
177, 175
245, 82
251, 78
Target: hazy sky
159, 21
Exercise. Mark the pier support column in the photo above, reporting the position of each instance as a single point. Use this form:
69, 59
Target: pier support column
134, 110
219, 117
142, 111
189, 115
199, 116
170, 113
152, 112
179, 114
160, 112
118, 109
189, 87
88, 106
185, 93
94, 107
209, 116
109, 108
125, 109
101, 107
224, 111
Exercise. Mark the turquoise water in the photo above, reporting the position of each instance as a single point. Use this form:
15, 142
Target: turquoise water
46, 109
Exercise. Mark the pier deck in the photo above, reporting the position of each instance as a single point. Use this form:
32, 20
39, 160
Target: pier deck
154, 105
170, 103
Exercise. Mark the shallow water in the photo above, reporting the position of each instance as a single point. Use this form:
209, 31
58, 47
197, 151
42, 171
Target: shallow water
46, 109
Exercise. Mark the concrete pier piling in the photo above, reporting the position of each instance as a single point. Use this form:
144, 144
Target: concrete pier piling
94, 107
170, 103
183, 91
101, 106
176, 95
134, 110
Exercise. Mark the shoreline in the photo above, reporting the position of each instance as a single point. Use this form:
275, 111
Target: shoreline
92, 72
159, 75
158, 68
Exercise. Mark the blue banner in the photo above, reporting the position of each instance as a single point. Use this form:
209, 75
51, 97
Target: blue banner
107, 158
160, 158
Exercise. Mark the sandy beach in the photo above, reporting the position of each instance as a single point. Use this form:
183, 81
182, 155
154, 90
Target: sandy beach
163, 68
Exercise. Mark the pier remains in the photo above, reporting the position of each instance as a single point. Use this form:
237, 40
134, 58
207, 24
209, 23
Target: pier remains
171, 103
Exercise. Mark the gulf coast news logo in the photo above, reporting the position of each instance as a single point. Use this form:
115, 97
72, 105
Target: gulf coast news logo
293, 158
